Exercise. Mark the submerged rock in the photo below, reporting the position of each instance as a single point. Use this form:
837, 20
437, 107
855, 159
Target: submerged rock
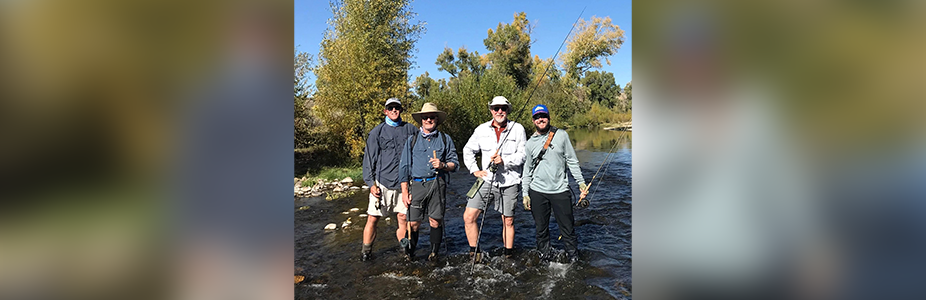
354, 209
331, 226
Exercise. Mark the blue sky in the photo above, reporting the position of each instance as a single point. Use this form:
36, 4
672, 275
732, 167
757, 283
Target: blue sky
465, 23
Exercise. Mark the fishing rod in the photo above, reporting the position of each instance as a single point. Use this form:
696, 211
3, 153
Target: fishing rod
492, 166
583, 202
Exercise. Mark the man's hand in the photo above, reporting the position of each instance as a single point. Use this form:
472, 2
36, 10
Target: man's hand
480, 174
527, 202
497, 159
435, 163
584, 189
374, 190
407, 199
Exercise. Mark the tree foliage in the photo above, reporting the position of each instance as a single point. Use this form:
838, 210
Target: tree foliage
464, 61
601, 88
364, 59
510, 45
306, 126
594, 40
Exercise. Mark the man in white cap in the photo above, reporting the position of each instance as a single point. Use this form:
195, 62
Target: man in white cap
426, 160
381, 173
501, 143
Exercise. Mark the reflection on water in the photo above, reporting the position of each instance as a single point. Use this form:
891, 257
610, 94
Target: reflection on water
329, 260
603, 140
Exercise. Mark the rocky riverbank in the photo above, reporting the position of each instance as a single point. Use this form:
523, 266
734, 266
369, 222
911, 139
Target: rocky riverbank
303, 187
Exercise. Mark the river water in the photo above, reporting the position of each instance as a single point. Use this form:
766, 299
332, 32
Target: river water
330, 259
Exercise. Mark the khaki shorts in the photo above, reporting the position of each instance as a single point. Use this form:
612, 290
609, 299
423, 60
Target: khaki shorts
390, 201
489, 193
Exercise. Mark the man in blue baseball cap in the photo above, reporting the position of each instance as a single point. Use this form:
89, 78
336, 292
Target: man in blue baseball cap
549, 152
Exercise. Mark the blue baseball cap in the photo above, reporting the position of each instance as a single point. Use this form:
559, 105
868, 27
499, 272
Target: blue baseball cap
540, 109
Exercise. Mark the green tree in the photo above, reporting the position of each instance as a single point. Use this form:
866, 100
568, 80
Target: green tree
466, 98
364, 59
464, 61
510, 45
594, 40
306, 126
625, 99
600, 88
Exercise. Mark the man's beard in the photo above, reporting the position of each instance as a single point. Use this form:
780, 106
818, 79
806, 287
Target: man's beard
545, 129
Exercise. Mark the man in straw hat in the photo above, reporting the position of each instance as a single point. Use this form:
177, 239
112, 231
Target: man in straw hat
427, 158
502, 184
381, 172
549, 152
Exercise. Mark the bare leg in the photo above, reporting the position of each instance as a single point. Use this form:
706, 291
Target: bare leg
369, 231
469, 220
403, 227
508, 234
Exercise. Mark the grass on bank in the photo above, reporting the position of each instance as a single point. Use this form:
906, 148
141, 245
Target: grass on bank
334, 173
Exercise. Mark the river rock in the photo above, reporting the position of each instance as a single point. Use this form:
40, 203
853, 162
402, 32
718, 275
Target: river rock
331, 226
354, 188
354, 209
337, 189
363, 215
347, 180
365, 187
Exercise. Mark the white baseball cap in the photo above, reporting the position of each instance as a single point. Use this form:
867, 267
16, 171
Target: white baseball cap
393, 100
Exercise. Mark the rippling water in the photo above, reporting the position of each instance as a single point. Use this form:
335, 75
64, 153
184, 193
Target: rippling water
330, 260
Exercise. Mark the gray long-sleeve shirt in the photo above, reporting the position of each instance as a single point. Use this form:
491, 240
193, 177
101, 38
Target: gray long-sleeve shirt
414, 162
550, 175
383, 153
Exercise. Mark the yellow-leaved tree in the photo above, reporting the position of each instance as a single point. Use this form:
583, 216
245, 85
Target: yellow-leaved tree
363, 60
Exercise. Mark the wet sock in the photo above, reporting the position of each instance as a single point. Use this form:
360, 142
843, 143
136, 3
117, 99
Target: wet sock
367, 248
436, 235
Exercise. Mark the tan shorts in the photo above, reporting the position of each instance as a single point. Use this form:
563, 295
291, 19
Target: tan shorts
390, 201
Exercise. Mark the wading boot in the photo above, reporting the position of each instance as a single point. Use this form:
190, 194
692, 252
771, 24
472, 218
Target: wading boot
509, 252
366, 256
433, 256
475, 254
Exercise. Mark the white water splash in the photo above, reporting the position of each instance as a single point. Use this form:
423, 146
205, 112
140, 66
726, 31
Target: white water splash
403, 278
557, 274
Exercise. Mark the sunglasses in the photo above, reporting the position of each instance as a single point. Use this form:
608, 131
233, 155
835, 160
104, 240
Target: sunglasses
539, 116
388, 108
429, 117
499, 108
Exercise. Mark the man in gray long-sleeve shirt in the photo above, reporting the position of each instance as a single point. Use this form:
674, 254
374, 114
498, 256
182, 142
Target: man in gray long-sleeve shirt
427, 158
381, 173
549, 152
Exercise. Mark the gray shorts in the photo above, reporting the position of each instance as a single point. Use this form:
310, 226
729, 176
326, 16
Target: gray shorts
488, 192
428, 199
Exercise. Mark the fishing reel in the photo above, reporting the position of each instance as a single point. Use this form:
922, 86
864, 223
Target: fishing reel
583, 203
493, 167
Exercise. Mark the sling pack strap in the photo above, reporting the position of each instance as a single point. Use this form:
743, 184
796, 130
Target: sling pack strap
544, 150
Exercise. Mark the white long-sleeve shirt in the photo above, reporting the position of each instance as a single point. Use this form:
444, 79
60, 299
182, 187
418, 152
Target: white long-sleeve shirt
485, 141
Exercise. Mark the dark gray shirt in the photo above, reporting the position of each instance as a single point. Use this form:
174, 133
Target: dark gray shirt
383, 153
415, 161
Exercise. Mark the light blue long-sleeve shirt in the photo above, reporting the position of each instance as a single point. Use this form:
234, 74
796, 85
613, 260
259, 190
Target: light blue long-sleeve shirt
550, 175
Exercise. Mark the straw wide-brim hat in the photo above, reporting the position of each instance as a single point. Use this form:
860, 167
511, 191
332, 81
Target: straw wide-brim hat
430, 108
